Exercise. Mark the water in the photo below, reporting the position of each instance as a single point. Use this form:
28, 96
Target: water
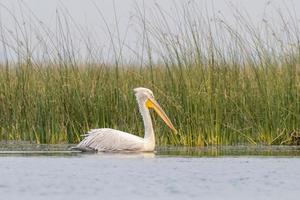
169, 173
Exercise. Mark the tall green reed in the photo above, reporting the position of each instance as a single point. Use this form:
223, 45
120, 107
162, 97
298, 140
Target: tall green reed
220, 84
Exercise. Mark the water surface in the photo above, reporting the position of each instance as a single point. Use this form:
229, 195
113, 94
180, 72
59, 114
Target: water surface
53, 172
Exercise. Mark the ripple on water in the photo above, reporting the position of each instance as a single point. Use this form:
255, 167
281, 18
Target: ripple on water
170, 173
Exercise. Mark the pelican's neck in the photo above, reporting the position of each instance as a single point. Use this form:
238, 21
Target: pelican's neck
149, 133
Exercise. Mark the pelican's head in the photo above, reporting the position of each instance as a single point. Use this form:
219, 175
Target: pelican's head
145, 98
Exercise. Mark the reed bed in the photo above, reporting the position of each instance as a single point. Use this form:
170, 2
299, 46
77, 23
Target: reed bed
220, 84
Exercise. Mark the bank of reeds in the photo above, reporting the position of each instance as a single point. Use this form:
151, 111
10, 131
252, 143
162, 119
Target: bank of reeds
219, 84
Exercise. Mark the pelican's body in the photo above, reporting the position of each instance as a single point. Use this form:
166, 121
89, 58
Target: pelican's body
106, 139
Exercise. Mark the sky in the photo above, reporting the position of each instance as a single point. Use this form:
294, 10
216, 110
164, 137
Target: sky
102, 18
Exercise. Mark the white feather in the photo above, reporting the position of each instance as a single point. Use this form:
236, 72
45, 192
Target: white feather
106, 139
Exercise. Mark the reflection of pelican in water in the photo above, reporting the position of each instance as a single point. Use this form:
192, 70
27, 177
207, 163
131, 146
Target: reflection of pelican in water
106, 139
121, 154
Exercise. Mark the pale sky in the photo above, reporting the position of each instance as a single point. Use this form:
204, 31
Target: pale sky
85, 14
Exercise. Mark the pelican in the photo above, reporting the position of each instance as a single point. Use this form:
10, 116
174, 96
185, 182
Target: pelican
106, 139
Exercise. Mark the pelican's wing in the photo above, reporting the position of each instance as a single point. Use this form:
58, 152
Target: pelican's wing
106, 139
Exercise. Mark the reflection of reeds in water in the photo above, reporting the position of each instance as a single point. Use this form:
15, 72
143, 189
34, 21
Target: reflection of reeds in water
239, 150
220, 84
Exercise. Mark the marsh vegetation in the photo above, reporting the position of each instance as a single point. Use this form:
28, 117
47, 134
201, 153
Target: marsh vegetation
220, 83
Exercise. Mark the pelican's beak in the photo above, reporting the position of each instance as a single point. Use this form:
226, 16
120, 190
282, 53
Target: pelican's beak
152, 103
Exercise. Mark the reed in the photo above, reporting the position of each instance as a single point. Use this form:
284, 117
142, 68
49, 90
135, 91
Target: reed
220, 84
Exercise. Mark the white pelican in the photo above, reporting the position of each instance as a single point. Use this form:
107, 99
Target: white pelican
106, 139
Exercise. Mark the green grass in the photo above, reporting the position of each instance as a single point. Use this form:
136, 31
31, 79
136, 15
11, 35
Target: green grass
217, 87
223, 105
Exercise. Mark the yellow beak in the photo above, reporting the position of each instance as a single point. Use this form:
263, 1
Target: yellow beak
152, 103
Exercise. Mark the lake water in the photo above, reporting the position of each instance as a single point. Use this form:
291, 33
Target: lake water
53, 172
